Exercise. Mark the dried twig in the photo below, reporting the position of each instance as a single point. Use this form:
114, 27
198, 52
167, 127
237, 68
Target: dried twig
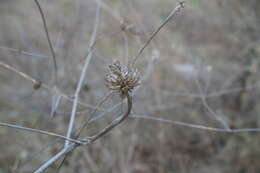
22, 52
115, 122
88, 140
64, 151
122, 79
49, 41
34, 81
175, 11
76, 96
83, 73
39, 132
38, 84
149, 117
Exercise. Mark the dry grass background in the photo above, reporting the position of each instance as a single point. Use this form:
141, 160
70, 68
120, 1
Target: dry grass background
203, 65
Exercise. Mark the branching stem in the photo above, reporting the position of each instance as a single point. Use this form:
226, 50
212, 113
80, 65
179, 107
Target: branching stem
88, 140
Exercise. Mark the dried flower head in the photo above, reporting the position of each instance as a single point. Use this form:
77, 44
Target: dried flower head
122, 78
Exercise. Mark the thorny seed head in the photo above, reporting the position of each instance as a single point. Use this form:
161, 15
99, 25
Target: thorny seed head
122, 78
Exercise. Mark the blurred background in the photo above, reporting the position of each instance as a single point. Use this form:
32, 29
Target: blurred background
200, 69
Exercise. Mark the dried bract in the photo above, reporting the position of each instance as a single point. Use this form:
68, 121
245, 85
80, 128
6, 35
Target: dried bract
122, 78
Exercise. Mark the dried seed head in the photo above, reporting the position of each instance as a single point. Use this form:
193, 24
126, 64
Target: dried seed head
122, 78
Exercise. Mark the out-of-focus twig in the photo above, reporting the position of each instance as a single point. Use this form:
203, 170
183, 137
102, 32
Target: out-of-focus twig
49, 41
149, 117
82, 76
39, 132
38, 84
22, 52
34, 81
208, 108
55, 158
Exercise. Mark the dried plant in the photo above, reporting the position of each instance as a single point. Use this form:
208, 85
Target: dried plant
122, 78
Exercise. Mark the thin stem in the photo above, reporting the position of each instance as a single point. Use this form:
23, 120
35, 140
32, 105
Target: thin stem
49, 40
195, 125
205, 104
83, 73
34, 81
169, 17
76, 97
37, 83
84, 125
39, 131
116, 122
88, 140
41, 84
22, 52
64, 151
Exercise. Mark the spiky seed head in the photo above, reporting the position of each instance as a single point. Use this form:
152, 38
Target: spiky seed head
122, 78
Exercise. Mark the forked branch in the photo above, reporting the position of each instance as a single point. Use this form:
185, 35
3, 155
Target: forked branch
116, 122
88, 140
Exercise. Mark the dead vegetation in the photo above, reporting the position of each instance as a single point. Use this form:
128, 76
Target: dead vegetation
195, 95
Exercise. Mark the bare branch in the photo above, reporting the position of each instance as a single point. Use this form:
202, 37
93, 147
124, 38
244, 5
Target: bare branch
174, 12
195, 126
83, 73
64, 151
88, 140
34, 81
22, 52
39, 84
38, 131
84, 125
49, 41
116, 122
205, 104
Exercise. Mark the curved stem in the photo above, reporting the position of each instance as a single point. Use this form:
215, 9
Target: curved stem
115, 122
40, 132
49, 41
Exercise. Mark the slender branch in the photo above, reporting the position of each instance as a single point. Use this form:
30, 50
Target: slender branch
205, 104
173, 13
195, 125
88, 140
82, 76
116, 122
41, 84
64, 151
109, 10
39, 131
22, 52
34, 81
84, 125
49, 40
90, 52
76, 97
